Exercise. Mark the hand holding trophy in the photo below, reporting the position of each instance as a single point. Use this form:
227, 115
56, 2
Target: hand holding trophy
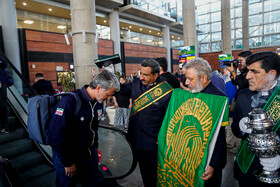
265, 144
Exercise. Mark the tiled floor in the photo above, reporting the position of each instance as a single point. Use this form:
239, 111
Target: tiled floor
228, 180
135, 180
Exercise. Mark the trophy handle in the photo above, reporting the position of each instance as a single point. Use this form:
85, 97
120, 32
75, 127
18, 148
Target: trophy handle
248, 125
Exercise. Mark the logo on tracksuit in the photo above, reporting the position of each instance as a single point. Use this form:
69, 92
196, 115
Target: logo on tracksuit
59, 111
99, 112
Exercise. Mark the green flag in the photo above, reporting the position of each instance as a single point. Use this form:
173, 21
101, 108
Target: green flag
187, 137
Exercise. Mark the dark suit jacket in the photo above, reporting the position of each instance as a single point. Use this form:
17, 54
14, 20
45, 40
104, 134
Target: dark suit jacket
43, 87
243, 107
219, 158
171, 79
218, 82
144, 126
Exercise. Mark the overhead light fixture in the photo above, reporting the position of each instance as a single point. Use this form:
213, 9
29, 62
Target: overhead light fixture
24, 4
179, 38
140, 29
150, 31
135, 38
172, 36
50, 9
61, 27
158, 33
105, 21
130, 26
149, 40
28, 22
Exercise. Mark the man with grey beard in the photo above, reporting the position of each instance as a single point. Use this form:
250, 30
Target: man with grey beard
198, 75
263, 77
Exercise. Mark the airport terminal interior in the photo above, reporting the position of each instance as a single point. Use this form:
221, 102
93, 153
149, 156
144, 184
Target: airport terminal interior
66, 37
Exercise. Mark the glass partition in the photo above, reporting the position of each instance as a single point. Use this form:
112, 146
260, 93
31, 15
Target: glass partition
117, 156
209, 14
156, 6
140, 38
264, 16
21, 86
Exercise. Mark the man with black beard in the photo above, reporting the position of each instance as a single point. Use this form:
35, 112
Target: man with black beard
263, 77
198, 75
146, 117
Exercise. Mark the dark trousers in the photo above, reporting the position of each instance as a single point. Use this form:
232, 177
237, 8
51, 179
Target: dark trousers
147, 161
215, 180
3, 106
87, 172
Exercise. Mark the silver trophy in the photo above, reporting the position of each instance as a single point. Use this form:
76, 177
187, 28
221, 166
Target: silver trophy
263, 142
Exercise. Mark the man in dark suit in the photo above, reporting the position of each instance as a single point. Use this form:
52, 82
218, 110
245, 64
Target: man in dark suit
263, 78
165, 75
198, 76
42, 86
150, 96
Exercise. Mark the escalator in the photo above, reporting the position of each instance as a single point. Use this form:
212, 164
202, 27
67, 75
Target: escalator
32, 161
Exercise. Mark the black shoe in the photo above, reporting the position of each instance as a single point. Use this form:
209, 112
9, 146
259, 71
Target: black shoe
125, 127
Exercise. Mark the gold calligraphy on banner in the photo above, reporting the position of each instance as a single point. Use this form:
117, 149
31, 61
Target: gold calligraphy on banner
186, 145
141, 102
274, 109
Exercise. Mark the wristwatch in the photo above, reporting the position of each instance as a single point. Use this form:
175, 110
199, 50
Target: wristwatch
232, 72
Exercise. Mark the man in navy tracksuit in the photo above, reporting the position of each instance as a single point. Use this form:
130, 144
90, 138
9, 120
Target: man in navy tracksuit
74, 139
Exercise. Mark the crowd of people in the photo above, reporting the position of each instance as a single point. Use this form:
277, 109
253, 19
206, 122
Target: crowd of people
141, 108
256, 75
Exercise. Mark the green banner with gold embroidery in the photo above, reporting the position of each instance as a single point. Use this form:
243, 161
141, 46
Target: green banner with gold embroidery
245, 157
187, 137
150, 96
